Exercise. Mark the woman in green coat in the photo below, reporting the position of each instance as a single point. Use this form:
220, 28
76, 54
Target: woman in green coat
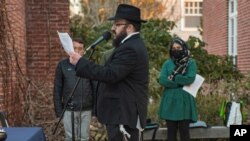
178, 107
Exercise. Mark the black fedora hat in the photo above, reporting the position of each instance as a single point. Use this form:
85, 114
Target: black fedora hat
128, 12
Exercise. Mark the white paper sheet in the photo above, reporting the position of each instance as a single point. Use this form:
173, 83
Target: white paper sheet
194, 87
66, 41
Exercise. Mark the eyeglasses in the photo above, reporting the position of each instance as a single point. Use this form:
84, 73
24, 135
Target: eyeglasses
115, 25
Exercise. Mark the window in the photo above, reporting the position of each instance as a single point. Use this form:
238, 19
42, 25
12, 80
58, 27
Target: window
232, 30
191, 14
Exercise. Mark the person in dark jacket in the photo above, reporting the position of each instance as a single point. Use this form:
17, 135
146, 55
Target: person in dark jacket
123, 90
81, 103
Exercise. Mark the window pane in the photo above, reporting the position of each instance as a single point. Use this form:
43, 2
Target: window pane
232, 7
232, 45
200, 4
192, 21
193, 7
232, 28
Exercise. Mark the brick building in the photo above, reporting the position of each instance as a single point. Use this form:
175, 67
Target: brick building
30, 50
226, 29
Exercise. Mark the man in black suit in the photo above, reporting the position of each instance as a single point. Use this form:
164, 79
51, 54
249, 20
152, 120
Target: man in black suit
123, 90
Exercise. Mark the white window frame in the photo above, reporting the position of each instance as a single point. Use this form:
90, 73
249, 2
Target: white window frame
233, 30
183, 14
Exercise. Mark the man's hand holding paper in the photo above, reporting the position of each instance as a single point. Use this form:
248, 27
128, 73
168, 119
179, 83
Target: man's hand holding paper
74, 57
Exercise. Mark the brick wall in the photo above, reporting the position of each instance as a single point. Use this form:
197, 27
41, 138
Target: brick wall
44, 18
14, 55
27, 83
215, 26
244, 35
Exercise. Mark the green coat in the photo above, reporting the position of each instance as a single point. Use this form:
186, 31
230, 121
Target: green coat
177, 104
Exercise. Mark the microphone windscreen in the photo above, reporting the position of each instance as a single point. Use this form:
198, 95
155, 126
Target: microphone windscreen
106, 35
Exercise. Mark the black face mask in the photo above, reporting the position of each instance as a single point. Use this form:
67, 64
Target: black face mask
177, 54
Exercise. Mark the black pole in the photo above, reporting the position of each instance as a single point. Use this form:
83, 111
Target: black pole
67, 103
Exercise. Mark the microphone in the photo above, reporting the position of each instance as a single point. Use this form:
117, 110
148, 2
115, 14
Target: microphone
105, 36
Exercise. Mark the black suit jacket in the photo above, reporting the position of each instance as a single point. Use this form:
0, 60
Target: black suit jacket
123, 89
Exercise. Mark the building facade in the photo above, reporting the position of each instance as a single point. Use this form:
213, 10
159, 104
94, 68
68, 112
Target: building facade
30, 50
226, 29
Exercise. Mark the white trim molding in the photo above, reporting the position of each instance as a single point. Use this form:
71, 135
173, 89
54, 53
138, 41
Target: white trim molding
233, 30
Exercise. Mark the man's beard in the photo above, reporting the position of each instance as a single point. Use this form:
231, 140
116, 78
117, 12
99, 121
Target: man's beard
119, 38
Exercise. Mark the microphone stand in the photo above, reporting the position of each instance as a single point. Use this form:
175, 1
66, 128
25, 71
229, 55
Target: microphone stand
68, 104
